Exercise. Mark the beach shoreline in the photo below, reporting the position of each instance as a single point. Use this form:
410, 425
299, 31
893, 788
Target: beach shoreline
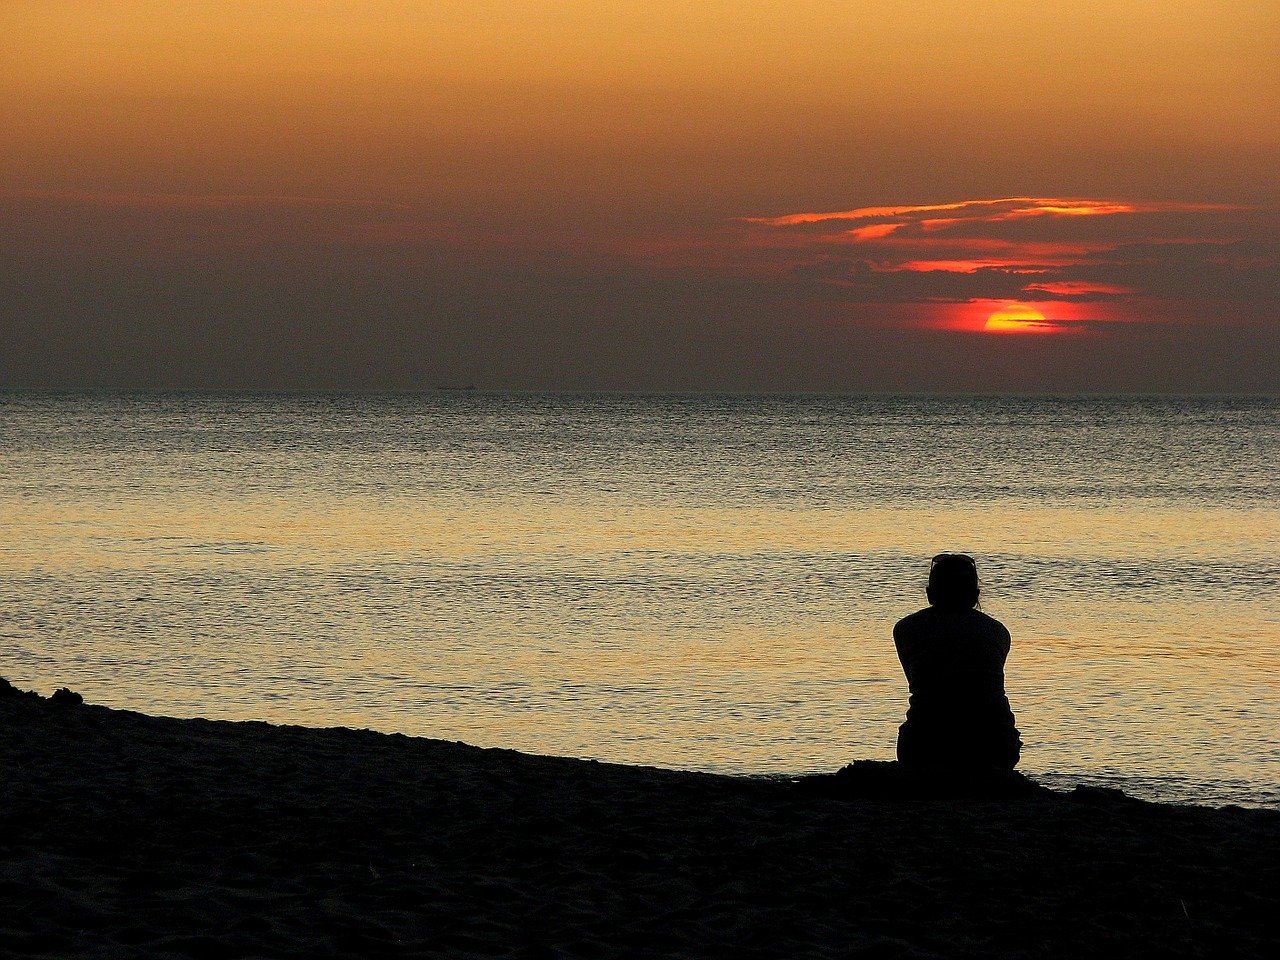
134, 835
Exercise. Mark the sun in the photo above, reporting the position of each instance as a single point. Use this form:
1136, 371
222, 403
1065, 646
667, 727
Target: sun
1018, 318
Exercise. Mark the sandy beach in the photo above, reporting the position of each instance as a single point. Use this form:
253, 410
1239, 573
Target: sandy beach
136, 836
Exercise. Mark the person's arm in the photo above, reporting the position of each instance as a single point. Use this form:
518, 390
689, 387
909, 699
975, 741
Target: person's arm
902, 643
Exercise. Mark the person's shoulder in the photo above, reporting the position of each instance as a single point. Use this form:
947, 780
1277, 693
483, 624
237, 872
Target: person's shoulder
913, 623
991, 624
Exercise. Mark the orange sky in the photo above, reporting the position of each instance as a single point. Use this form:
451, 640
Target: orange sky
418, 100
636, 148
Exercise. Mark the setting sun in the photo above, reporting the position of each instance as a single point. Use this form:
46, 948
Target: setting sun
1019, 318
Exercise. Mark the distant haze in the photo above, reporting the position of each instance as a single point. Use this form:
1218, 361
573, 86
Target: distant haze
525, 194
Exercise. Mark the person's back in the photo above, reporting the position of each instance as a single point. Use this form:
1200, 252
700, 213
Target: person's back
953, 657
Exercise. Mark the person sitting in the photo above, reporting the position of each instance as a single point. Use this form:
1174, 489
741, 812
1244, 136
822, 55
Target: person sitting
953, 656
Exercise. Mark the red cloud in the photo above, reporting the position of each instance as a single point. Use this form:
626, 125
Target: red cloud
875, 231
1058, 253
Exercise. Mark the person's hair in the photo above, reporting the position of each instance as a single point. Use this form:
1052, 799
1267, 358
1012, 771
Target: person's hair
953, 581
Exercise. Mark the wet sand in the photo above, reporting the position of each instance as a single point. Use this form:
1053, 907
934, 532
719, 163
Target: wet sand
134, 836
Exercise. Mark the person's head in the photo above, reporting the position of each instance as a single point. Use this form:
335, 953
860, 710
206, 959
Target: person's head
953, 581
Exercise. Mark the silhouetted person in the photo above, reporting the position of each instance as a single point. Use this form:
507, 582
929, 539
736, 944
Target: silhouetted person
953, 656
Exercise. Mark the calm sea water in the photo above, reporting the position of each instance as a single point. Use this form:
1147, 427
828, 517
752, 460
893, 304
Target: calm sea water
704, 583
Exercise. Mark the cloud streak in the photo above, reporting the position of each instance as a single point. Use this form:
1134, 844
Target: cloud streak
991, 211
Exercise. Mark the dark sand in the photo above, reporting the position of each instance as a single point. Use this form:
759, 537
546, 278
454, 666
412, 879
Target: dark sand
133, 836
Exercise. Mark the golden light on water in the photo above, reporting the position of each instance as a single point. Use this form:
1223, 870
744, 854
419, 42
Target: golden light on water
426, 594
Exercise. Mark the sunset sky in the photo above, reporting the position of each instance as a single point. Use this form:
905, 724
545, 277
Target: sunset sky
800, 195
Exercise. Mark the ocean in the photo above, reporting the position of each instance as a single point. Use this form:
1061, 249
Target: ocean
698, 582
